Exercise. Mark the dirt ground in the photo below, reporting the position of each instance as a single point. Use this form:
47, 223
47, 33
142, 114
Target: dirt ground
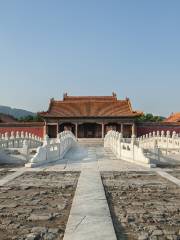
143, 205
36, 205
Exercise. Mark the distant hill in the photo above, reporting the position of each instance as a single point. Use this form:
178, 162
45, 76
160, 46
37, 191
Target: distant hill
17, 113
4, 118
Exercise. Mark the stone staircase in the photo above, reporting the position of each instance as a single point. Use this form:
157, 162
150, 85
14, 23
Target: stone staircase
89, 142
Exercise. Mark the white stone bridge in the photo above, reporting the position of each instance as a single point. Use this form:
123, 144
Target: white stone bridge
18, 146
148, 150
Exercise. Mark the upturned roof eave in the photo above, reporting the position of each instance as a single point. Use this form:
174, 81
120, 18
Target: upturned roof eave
108, 116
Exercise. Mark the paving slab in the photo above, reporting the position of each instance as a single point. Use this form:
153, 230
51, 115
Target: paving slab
107, 161
12, 176
90, 217
143, 205
169, 177
36, 205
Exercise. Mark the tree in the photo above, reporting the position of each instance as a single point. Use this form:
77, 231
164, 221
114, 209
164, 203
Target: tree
31, 118
149, 117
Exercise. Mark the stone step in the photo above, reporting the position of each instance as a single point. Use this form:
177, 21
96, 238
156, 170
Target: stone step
91, 141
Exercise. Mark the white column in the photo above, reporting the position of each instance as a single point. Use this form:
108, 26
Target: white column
57, 129
133, 129
76, 130
122, 129
102, 130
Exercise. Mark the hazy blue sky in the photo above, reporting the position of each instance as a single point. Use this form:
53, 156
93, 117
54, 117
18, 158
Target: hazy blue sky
90, 47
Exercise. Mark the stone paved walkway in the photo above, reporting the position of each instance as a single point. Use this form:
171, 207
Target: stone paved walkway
90, 216
105, 159
169, 177
12, 176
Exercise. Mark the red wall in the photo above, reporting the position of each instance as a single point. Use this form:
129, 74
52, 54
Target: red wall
33, 129
144, 128
38, 128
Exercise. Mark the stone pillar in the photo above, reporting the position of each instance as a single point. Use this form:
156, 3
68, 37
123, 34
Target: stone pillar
76, 130
122, 129
133, 129
57, 129
45, 129
102, 130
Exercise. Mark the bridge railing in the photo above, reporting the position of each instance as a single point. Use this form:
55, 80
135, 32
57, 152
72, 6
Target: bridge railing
17, 140
164, 141
126, 150
53, 149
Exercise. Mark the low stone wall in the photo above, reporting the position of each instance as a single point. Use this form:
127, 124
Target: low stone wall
17, 140
160, 140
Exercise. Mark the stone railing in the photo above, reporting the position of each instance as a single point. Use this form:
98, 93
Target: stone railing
166, 142
53, 149
126, 151
18, 140
16, 148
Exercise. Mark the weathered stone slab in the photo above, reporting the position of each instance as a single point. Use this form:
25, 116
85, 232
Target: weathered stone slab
90, 216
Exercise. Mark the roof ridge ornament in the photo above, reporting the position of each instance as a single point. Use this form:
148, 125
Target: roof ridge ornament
65, 95
114, 94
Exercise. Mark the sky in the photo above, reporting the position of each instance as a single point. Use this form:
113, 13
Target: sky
90, 47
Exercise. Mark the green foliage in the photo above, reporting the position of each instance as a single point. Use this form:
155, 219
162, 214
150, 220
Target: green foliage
30, 118
150, 118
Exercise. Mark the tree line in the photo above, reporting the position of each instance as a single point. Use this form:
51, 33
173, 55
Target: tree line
149, 117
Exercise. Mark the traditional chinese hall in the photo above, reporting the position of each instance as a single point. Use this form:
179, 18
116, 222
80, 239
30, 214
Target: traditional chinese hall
90, 116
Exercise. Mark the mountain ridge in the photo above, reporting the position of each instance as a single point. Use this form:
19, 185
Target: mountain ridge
15, 112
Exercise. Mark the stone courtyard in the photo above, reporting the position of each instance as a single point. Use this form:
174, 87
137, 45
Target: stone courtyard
90, 194
36, 205
143, 205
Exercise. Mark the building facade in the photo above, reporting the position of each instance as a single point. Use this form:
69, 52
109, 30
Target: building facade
90, 116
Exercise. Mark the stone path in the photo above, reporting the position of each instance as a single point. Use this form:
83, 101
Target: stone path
90, 216
12, 176
169, 177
